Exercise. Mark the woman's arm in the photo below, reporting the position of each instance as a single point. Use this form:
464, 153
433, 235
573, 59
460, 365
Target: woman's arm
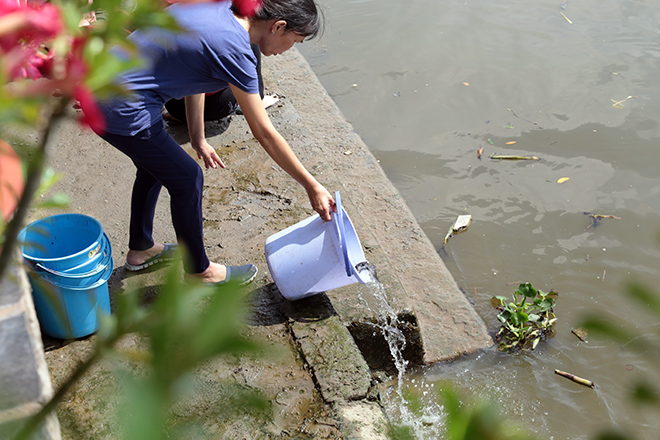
278, 149
195, 118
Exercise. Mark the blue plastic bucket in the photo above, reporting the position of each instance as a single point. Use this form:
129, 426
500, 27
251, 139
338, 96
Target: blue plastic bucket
64, 242
314, 256
69, 258
68, 312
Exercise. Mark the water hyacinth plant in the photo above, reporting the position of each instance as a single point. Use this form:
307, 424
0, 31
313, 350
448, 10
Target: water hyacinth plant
526, 320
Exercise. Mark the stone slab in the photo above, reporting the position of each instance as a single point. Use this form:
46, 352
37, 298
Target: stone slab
362, 421
340, 371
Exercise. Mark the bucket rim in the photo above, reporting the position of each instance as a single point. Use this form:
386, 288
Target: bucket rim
23, 232
98, 283
99, 268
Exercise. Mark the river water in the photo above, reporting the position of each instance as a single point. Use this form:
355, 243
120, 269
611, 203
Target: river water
427, 83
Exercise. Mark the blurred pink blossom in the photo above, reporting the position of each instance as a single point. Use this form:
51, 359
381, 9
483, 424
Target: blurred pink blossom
24, 28
247, 8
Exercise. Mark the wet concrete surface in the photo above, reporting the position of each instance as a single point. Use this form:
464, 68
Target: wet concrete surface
320, 383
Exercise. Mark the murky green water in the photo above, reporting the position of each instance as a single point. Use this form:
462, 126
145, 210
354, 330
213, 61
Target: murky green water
427, 83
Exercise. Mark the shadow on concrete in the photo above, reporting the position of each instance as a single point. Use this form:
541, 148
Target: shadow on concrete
267, 307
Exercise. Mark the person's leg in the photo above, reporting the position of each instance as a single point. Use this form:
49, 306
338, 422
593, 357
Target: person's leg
156, 154
143, 207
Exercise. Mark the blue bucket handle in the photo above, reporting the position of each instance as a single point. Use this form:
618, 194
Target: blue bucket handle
342, 233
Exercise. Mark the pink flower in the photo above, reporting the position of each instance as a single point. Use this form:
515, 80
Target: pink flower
67, 79
30, 23
24, 64
247, 8
24, 29
92, 116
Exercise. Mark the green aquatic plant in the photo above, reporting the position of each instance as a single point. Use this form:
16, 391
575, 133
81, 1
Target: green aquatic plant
526, 320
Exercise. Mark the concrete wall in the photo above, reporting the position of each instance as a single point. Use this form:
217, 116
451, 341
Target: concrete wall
24, 380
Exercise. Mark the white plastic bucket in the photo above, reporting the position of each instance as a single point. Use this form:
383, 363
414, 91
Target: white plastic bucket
314, 256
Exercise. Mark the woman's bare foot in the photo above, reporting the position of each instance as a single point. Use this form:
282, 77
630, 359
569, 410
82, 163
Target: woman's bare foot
137, 258
215, 273
219, 274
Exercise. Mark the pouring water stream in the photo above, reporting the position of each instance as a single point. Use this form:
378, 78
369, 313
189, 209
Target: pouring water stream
429, 424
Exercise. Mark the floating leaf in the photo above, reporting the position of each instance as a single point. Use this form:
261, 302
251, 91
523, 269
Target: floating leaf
511, 142
581, 333
563, 179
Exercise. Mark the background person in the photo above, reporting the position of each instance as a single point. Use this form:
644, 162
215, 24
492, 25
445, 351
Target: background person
220, 104
215, 53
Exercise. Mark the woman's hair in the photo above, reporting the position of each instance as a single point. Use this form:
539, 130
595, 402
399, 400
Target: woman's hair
303, 17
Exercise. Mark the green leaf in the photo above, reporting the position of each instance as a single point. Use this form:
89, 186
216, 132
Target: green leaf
645, 297
646, 393
522, 316
504, 316
596, 324
546, 304
58, 200
526, 290
534, 317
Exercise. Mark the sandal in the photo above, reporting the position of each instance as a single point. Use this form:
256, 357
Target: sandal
169, 254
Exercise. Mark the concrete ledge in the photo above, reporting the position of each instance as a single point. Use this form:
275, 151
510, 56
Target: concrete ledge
25, 385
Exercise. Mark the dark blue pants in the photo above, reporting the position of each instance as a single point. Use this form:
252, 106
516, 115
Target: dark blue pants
161, 161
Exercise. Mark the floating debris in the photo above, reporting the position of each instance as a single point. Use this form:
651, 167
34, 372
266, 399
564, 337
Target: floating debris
511, 142
466, 84
460, 225
512, 157
567, 19
563, 179
597, 218
348, 153
480, 152
526, 120
576, 379
619, 104
581, 333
